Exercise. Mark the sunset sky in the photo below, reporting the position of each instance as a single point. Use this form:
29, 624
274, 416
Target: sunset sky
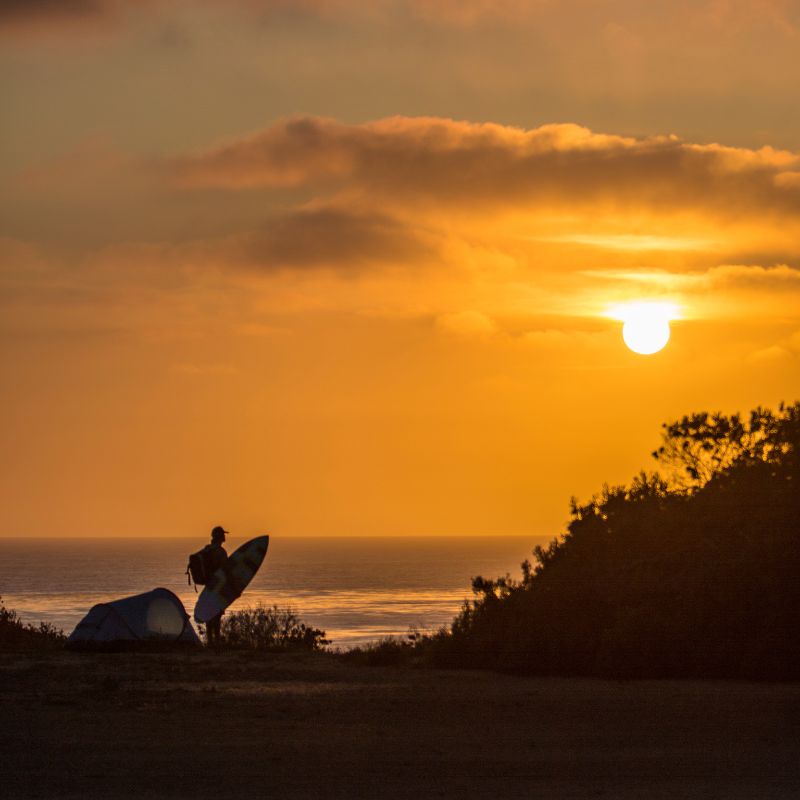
338, 267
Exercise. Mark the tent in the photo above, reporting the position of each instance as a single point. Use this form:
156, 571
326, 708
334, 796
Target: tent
157, 616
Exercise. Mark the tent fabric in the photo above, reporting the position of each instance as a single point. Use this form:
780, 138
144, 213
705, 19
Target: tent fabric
157, 616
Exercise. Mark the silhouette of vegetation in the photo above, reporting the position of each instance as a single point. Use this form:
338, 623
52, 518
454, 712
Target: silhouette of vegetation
411, 650
698, 447
261, 628
14, 634
695, 572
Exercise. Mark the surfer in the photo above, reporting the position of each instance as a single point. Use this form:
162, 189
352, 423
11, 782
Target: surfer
217, 557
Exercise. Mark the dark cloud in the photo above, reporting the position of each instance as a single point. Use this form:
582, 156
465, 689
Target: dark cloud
337, 238
20, 13
54, 18
411, 161
69, 16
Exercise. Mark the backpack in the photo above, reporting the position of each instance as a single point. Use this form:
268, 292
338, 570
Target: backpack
198, 570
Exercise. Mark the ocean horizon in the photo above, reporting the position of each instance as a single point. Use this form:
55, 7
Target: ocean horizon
358, 589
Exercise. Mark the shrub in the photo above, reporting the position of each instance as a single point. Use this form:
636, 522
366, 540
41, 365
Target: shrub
262, 628
393, 650
13, 633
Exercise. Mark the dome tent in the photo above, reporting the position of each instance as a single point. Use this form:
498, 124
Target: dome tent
156, 616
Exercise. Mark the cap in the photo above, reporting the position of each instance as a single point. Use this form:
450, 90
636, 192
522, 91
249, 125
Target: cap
218, 531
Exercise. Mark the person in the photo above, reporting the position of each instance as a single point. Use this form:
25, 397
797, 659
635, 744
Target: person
216, 557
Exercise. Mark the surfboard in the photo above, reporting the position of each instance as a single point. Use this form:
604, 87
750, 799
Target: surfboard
228, 582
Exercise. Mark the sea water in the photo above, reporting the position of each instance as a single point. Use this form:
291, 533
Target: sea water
356, 589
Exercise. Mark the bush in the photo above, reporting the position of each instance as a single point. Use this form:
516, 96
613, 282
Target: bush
13, 633
262, 628
393, 651
666, 577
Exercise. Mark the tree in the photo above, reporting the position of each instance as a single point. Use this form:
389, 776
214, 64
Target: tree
700, 446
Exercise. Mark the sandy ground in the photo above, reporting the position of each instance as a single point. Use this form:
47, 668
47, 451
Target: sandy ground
239, 726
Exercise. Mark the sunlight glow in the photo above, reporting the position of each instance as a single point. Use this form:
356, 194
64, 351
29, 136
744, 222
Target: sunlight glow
634, 242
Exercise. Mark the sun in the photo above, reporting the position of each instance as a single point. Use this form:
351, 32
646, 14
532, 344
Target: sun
645, 328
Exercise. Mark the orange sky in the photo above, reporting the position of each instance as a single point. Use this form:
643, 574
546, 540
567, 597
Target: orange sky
335, 268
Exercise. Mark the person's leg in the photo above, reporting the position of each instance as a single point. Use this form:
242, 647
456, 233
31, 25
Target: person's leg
212, 630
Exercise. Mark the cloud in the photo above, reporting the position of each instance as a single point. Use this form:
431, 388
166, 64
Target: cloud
55, 16
726, 291
480, 227
312, 237
789, 180
749, 277
17, 10
288, 154
328, 236
482, 167
393, 152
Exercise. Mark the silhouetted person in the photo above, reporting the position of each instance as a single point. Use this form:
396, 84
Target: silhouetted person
216, 557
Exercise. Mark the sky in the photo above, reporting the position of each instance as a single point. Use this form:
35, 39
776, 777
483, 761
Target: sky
334, 268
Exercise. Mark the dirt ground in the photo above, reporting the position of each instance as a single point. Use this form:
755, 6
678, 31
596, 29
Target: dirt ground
241, 726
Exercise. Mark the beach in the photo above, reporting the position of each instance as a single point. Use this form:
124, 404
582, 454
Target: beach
238, 725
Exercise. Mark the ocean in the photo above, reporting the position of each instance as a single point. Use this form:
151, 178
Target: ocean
356, 589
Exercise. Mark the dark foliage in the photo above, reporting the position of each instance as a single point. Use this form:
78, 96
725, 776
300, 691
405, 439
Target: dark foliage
699, 446
696, 574
16, 635
262, 628
413, 650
